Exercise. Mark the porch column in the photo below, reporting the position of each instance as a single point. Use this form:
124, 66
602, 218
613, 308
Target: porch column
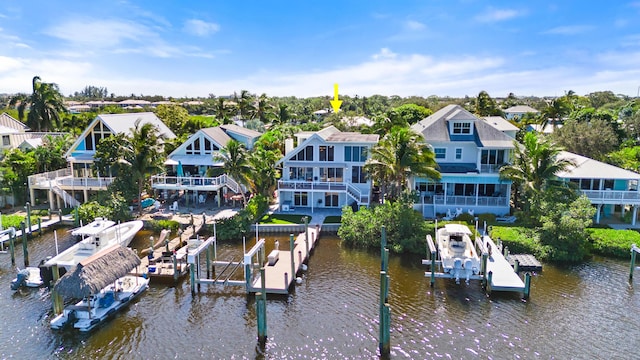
312, 200
51, 199
476, 191
445, 194
622, 209
599, 207
85, 193
633, 217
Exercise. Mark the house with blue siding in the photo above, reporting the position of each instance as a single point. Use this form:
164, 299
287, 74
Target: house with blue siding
469, 152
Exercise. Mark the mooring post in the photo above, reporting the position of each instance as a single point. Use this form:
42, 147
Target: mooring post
433, 268
483, 266
39, 226
516, 266
208, 256
57, 299
12, 247
385, 318
527, 285
24, 245
76, 219
505, 252
633, 261
175, 268
383, 246
192, 276
306, 236
28, 208
293, 260
60, 215
300, 256
261, 304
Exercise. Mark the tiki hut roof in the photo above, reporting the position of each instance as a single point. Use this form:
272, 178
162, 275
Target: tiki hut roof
97, 271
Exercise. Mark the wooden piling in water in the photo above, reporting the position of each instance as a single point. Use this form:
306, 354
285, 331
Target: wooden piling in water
39, 226
261, 309
632, 267
12, 247
527, 285
58, 305
28, 207
516, 266
25, 250
489, 278
385, 317
293, 259
306, 237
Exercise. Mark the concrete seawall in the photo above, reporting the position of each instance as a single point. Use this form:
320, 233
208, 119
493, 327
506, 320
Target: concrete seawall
292, 228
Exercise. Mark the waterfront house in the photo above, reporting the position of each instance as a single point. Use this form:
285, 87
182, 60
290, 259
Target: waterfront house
325, 170
518, 111
74, 184
191, 169
469, 152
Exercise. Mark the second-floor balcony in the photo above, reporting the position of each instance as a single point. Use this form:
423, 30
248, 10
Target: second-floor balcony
64, 179
165, 182
630, 197
460, 200
311, 185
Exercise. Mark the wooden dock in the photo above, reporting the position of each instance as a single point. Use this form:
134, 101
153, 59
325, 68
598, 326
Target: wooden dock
526, 262
278, 276
503, 277
34, 228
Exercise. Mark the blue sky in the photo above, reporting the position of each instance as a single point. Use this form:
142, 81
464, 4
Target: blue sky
301, 48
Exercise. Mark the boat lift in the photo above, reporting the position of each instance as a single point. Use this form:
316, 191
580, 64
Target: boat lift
229, 267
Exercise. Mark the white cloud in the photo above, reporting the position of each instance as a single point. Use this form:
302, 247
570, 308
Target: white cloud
414, 25
495, 15
384, 53
200, 28
569, 30
96, 33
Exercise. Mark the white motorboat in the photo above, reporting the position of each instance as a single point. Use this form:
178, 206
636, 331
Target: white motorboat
95, 309
93, 228
120, 234
29, 277
457, 252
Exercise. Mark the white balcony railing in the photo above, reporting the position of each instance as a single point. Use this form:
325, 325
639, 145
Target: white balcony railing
465, 200
194, 183
613, 196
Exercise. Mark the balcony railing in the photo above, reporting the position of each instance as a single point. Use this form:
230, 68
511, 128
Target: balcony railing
613, 196
176, 182
309, 185
465, 200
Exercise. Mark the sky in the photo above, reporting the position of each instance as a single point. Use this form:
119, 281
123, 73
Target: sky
302, 48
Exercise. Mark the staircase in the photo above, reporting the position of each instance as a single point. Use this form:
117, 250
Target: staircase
355, 193
231, 184
68, 200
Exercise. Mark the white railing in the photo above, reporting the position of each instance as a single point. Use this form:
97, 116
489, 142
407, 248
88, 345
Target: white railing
465, 200
357, 195
613, 196
164, 181
68, 200
308, 185
85, 182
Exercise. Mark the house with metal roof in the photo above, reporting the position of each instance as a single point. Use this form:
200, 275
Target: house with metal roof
611, 189
519, 111
325, 170
78, 181
191, 168
469, 152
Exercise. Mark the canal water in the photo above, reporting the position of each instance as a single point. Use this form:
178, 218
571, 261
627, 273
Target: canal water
582, 312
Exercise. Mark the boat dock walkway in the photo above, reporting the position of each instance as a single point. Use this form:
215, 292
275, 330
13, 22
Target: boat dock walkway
502, 276
53, 220
278, 271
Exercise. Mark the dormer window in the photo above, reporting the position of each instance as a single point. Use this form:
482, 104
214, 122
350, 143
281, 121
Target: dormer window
461, 128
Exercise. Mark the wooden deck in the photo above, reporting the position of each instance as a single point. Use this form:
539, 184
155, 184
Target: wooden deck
503, 277
526, 262
276, 282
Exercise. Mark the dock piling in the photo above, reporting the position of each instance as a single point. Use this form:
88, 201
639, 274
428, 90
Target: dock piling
516, 266
385, 311
527, 285
261, 310
28, 208
24, 245
39, 226
306, 235
12, 247
489, 278
293, 261
634, 250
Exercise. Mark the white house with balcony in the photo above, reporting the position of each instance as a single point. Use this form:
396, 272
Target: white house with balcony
612, 190
74, 185
192, 171
325, 170
469, 152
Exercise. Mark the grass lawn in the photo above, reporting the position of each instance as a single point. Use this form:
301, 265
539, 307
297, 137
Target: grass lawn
283, 219
337, 219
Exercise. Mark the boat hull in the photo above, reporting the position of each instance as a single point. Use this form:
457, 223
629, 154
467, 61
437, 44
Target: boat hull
457, 252
87, 314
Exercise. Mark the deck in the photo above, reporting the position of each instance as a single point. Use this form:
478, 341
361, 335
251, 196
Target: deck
53, 220
503, 277
278, 277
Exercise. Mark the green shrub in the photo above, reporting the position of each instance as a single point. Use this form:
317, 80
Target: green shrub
257, 206
14, 221
520, 240
610, 242
159, 225
466, 217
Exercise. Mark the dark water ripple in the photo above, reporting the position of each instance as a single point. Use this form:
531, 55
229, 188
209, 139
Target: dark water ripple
581, 312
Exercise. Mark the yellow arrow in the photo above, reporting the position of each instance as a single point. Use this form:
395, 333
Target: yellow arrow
335, 103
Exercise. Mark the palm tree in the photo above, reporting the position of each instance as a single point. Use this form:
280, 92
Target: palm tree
236, 164
246, 109
143, 151
222, 109
44, 105
401, 154
283, 115
554, 112
264, 110
534, 167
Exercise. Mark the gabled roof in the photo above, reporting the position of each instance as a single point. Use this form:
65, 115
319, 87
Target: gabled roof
8, 121
500, 123
216, 134
435, 129
242, 131
587, 168
521, 109
123, 123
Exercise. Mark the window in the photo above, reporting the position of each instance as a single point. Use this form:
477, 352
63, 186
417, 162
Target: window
331, 199
95, 135
458, 153
462, 128
331, 174
492, 157
326, 153
441, 153
300, 199
358, 175
355, 153
300, 173
5, 140
305, 154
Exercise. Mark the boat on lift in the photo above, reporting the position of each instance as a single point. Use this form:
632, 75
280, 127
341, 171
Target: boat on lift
457, 252
93, 228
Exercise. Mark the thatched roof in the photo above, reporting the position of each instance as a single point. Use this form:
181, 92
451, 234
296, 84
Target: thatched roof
96, 272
